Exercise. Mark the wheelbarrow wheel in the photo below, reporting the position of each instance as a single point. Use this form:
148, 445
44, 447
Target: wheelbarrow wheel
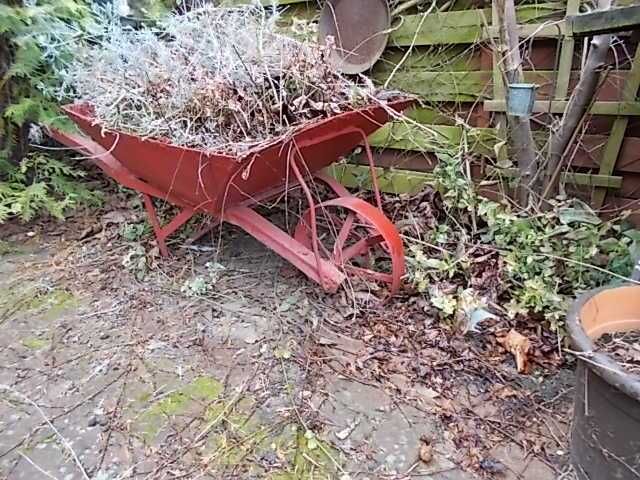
358, 238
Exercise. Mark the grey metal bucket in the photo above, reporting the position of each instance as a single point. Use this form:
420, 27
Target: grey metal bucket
520, 98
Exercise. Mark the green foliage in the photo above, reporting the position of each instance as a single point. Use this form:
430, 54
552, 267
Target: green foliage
41, 184
135, 260
133, 232
202, 285
545, 259
38, 38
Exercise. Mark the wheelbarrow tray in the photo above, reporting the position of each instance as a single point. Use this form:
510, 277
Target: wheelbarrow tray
228, 186
213, 182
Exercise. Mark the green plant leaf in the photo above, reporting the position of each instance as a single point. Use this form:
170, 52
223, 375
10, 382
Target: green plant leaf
578, 213
28, 58
10, 18
27, 109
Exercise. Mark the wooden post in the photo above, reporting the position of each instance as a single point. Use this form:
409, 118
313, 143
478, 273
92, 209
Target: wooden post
577, 107
498, 85
521, 139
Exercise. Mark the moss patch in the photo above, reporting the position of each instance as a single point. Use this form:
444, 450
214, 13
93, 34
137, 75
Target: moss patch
53, 303
34, 343
50, 304
235, 438
307, 456
179, 402
7, 248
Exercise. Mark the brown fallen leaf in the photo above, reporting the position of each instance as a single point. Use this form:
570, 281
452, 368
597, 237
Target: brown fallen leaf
506, 391
518, 345
426, 450
89, 231
115, 216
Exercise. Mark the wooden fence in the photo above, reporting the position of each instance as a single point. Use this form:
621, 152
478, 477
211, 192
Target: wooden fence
447, 58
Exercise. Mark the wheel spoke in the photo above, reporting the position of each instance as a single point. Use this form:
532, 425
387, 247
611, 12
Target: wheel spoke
352, 228
342, 237
369, 274
361, 247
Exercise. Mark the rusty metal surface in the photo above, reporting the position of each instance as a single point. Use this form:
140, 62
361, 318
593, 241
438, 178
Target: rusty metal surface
226, 186
359, 29
213, 182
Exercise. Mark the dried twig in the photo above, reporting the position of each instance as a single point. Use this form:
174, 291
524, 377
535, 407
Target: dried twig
216, 79
63, 440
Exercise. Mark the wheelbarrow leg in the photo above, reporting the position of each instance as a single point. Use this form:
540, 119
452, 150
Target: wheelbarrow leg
161, 232
321, 271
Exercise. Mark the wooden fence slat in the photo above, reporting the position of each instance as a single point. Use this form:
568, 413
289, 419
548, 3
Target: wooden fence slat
533, 31
619, 19
465, 26
499, 89
415, 139
389, 180
557, 106
584, 179
441, 86
434, 138
452, 58
498, 80
566, 57
469, 86
407, 181
628, 158
616, 136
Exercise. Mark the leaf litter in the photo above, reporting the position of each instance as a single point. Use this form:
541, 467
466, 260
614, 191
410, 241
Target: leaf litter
624, 347
489, 378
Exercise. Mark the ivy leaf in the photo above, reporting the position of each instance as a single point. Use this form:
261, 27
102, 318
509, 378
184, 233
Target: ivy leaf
445, 302
578, 213
633, 234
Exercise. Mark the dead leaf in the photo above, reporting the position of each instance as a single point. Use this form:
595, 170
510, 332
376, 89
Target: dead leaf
506, 392
426, 451
251, 338
89, 231
115, 216
424, 394
344, 433
518, 345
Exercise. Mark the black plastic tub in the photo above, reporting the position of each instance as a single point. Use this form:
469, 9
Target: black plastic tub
605, 435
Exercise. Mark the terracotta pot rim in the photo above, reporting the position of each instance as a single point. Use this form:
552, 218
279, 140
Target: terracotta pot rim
602, 364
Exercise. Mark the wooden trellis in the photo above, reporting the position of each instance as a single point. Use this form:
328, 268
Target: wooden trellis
623, 109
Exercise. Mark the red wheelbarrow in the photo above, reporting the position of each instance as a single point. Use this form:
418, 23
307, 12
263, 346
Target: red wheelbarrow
226, 187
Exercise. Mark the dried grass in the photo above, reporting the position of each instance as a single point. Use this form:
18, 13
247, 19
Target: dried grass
214, 79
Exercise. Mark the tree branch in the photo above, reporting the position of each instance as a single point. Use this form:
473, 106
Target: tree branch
577, 107
521, 139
